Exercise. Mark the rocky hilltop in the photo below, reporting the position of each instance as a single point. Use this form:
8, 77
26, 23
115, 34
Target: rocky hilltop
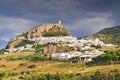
44, 30
54, 40
108, 35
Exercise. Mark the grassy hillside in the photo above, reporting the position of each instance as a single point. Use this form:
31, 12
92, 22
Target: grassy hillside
19, 68
109, 35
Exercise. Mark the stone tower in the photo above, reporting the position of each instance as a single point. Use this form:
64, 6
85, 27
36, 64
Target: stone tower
59, 22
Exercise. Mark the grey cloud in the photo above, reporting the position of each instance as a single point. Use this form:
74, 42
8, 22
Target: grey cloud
10, 25
30, 8
90, 25
81, 17
3, 41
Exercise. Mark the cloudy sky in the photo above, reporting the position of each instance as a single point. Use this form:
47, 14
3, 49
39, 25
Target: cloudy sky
81, 17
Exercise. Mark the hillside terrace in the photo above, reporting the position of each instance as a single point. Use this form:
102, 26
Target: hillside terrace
72, 41
84, 56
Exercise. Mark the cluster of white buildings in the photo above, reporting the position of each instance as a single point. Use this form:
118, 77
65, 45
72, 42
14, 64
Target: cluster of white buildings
91, 41
72, 40
82, 44
44, 40
94, 41
86, 56
22, 48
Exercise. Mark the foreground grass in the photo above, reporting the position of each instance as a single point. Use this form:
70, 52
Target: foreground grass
15, 69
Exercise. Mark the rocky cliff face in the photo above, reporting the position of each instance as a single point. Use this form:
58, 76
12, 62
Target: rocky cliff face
40, 30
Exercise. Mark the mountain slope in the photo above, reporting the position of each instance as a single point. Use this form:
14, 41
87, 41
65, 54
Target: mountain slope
108, 35
45, 30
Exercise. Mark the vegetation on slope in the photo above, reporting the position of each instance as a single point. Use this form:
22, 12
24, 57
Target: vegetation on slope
95, 76
28, 66
110, 57
24, 43
56, 31
33, 57
2, 51
38, 48
109, 35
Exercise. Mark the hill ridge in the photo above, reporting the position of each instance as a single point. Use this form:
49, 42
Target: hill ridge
108, 35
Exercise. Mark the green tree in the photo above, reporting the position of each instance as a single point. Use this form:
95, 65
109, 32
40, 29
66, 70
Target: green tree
97, 76
2, 51
38, 48
117, 76
2, 74
75, 59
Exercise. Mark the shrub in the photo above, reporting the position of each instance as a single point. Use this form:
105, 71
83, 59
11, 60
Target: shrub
57, 76
22, 64
98, 76
115, 70
38, 48
75, 59
70, 75
2, 74
0, 58
21, 78
12, 73
32, 66
56, 31
11, 58
109, 57
43, 78
33, 57
23, 43
25, 72
2, 65
117, 76
2, 51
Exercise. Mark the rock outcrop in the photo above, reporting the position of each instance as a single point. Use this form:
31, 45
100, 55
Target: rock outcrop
38, 31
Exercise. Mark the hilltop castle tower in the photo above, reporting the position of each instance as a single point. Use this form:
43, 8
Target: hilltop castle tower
59, 22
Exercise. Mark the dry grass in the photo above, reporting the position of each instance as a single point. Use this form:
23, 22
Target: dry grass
44, 67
